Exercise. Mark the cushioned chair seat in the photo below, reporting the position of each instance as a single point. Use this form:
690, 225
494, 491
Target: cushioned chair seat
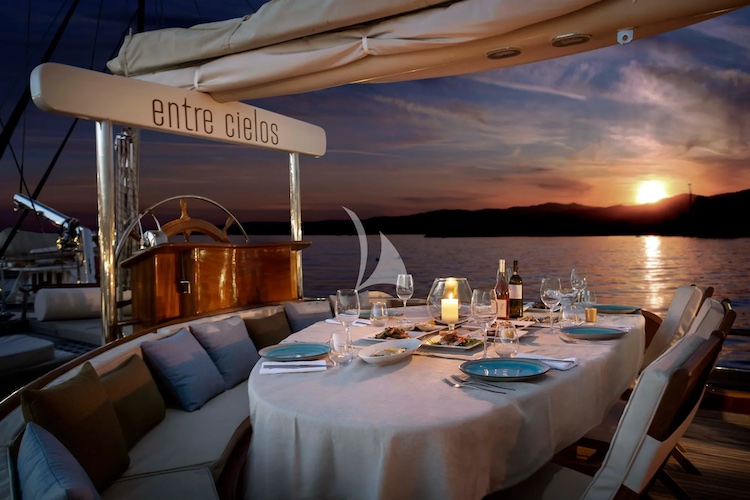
195, 483
20, 351
213, 431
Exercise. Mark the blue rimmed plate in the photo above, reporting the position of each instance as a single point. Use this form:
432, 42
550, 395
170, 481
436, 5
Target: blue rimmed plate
615, 309
504, 369
592, 332
294, 351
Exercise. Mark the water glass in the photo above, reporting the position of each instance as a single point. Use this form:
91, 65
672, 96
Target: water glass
378, 314
341, 352
347, 312
506, 342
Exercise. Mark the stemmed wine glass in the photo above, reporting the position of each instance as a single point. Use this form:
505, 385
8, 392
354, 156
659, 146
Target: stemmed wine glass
484, 310
551, 294
347, 312
578, 281
404, 288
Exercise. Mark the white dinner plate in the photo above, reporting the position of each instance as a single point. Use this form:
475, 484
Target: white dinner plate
389, 352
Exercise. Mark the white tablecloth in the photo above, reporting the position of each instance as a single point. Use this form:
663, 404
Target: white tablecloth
398, 431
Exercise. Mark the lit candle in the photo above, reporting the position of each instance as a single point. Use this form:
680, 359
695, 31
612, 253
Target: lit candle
449, 310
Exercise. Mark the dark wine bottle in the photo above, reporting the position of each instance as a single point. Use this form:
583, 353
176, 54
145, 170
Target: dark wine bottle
515, 291
501, 291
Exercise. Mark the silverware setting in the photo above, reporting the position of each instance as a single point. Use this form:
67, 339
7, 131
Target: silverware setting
471, 385
467, 380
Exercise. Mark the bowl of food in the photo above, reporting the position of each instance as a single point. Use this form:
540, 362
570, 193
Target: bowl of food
391, 351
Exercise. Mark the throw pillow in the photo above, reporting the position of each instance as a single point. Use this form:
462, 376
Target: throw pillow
269, 330
79, 414
185, 369
135, 397
303, 314
46, 469
229, 346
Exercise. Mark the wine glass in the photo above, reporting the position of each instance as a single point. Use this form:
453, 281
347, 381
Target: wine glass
484, 310
404, 289
378, 313
578, 280
506, 341
347, 312
551, 295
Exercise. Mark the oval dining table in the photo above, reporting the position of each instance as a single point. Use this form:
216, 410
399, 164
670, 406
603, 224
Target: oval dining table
364, 431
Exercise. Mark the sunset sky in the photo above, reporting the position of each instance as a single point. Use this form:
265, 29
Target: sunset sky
590, 128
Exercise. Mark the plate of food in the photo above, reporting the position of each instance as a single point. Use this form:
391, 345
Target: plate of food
504, 369
538, 306
453, 340
389, 352
616, 309
592, 332
410, 331
294, 351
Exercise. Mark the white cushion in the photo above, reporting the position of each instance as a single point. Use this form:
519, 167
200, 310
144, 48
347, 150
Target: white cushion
68, 303
682, 309
708, 319
633, 455
20, 351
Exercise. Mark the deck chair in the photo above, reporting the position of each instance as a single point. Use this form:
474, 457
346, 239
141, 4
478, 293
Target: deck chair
659, 411
685, 303
712, 316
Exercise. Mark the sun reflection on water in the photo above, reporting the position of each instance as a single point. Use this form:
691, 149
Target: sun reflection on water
653, 265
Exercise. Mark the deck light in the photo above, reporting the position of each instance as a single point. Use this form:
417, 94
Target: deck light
503, 53
569, 39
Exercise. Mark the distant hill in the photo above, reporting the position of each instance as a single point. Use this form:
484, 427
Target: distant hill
683, 215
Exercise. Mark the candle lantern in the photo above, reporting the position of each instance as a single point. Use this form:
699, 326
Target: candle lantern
449, 301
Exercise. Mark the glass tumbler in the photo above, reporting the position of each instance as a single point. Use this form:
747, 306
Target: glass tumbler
378, 313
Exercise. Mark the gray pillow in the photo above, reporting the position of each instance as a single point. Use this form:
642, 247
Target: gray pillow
46, 469
185, 369
303, 314
268, 330
229, 346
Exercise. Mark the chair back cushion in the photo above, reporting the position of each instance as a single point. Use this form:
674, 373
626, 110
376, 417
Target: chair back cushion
656, 416
268, 330
685, 303
303, 314
709, 318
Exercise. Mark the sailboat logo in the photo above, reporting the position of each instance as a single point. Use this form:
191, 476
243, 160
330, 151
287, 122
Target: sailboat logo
389, 265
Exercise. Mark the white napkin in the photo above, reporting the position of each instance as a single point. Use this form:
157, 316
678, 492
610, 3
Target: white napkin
616, 327
317, 365
358, 322
556, 363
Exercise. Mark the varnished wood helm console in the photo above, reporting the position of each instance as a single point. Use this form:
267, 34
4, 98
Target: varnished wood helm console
179, 280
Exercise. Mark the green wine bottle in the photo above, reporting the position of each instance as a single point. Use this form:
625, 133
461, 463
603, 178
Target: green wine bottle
515, 290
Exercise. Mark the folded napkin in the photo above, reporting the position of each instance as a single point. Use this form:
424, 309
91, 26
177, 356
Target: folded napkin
358, 322
556, 363
317, 365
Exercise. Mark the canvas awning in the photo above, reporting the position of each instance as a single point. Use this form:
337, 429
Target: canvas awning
291, 47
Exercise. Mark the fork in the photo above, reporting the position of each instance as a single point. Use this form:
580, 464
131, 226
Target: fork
466, 381
466, 385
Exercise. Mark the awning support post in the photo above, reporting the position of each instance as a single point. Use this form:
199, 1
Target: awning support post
295, 213
105, 183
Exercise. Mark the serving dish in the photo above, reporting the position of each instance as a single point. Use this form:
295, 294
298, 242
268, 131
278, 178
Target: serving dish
504, 369
295, 351
592, 332
389, 352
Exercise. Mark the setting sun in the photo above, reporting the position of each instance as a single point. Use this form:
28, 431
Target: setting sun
650, 191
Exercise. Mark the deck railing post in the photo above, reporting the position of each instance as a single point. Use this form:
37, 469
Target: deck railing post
105, 182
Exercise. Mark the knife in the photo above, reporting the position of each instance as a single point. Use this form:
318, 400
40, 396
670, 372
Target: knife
291, 365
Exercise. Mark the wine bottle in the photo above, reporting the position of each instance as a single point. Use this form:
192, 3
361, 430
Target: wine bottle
501, 291
515, 292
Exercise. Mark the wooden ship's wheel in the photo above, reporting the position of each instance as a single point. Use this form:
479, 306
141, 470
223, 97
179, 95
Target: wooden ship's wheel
187, 225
